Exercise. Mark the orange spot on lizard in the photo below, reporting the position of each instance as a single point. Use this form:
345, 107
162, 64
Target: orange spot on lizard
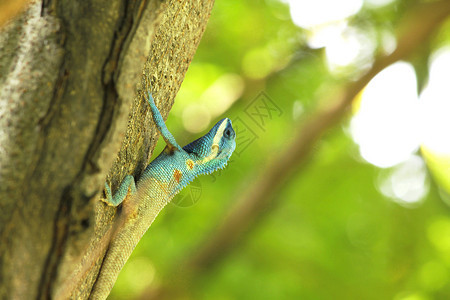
177, 175
190, 164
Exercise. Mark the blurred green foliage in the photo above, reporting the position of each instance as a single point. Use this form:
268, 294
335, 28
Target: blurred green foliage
331, 234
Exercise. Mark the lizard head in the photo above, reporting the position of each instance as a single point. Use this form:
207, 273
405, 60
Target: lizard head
212, 151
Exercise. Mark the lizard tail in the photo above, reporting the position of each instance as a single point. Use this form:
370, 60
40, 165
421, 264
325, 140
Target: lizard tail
133, 224
120, 249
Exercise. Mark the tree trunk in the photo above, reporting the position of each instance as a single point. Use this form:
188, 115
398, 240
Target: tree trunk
68, 105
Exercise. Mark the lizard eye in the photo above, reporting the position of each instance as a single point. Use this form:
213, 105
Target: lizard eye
227, 133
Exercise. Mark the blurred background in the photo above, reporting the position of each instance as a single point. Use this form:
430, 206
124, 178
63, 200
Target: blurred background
365, 216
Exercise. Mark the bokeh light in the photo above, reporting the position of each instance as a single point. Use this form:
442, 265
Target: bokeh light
435, 105
378, 3
386, 127
344, 45
350, 46
392, 121
308, 14
407, 183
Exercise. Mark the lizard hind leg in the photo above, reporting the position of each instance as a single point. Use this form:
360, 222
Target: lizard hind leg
127, 185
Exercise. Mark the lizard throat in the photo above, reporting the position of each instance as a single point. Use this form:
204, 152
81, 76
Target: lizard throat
214, 152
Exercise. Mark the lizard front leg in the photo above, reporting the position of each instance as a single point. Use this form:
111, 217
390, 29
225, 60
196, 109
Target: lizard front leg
159, 122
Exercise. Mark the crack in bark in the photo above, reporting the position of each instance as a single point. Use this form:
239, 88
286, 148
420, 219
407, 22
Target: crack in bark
63, 218
60, 234
109, 75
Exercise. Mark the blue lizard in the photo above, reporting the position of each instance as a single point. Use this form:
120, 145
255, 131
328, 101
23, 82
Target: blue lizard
163, 178
176, 166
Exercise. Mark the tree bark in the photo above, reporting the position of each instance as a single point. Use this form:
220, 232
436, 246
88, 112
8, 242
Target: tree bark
68, 105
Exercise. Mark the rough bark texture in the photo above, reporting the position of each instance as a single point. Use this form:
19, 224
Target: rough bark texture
68, 103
